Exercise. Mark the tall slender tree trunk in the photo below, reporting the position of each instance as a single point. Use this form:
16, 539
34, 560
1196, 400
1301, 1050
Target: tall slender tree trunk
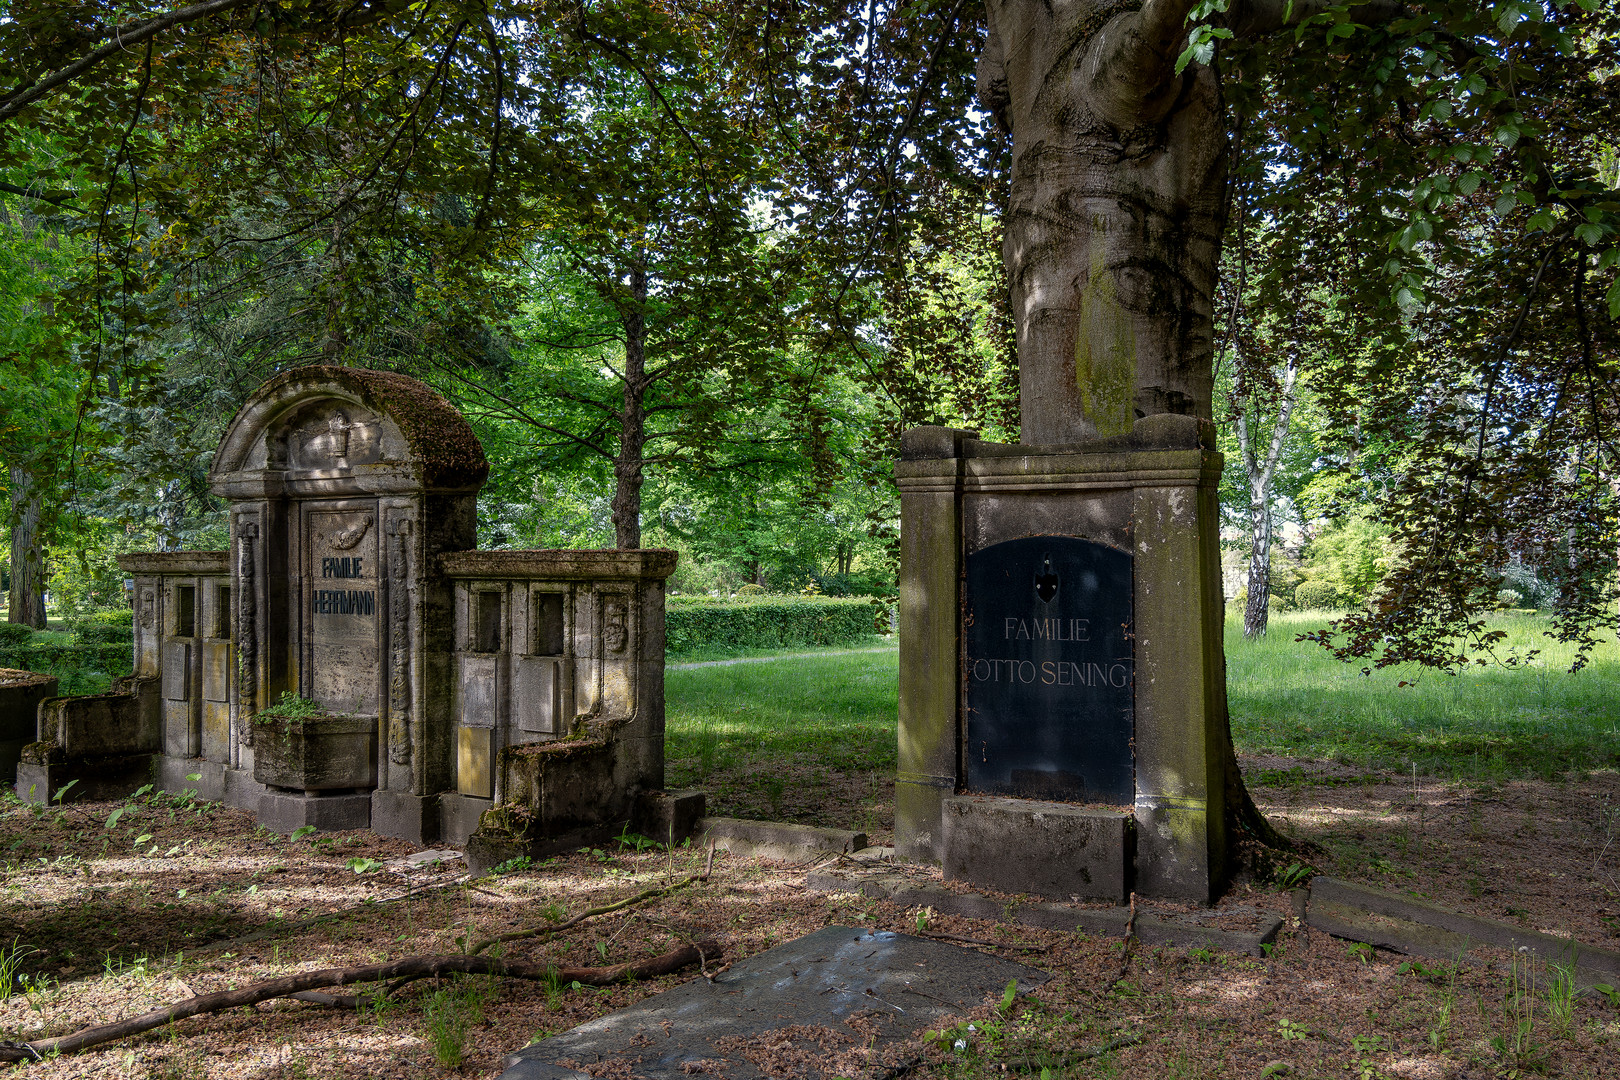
27, 600
628, 466
1260, 470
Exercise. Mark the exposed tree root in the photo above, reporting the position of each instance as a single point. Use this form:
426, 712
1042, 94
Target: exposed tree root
303, 982
606, 909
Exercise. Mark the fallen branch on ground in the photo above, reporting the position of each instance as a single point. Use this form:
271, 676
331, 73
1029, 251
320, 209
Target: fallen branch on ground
605, 909
417, 966
982, 941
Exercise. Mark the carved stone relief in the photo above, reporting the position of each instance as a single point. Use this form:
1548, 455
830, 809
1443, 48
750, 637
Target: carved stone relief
399, 644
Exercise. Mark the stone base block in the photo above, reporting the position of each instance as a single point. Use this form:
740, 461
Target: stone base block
668, 817
487, 850
1044, 848
175, 773
777, 840
241, 790
285, 811
458, 816
110, 777
406, 816
10, 754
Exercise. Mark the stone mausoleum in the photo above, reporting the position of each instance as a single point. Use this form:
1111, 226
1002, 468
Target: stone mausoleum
446, 681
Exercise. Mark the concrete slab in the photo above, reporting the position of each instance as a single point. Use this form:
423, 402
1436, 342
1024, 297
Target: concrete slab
1179, 930
777, 840
1418, 928
829, 995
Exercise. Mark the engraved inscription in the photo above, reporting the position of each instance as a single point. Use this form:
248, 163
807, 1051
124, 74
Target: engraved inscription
399, 646
1047, 670
344, 662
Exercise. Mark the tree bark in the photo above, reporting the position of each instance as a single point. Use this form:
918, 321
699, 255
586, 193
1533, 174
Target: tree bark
27, 598
1114, 223
628, 465
1260, 470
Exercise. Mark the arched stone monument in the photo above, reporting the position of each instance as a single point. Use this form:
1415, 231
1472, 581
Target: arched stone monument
433, 683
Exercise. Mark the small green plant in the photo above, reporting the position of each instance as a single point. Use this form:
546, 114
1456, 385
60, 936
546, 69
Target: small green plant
1203, 954
363, 865
1560, 995
516, 864
450, 1013
302, 831
10, 964
1360, 950
923, 918
1610, 992
290, 709
1290, 1031
1294, 876
1008, 996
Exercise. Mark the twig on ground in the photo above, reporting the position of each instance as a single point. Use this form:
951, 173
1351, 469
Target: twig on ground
303, 982
619, 905
1109, 1047
982, 941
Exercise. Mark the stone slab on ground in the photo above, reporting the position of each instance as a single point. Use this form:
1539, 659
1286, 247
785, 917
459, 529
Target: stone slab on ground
777, 840
285, 812
1151, 928
819, 1000
1029, 846
1419, 928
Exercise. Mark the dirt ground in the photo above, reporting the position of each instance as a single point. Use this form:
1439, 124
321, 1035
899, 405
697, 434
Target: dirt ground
110, 919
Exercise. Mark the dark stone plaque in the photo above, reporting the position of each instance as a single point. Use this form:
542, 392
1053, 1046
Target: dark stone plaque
1049, 695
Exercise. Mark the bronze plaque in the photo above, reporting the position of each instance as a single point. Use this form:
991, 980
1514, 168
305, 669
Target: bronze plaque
341, 609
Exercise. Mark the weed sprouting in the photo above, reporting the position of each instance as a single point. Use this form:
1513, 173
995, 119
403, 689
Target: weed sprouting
451, 1013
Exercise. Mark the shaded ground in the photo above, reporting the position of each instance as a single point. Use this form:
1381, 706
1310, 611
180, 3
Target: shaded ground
108, 920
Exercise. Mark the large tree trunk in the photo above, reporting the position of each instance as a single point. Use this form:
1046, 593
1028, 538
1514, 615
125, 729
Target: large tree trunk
1114, 224
627, 467
27, 600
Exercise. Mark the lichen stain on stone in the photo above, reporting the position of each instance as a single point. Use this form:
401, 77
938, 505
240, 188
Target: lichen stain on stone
1105, 349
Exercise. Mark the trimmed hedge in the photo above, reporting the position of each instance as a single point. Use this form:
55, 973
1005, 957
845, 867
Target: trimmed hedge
769, 622
54, 656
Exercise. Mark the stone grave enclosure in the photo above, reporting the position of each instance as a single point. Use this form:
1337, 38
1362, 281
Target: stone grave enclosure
445, 682
1062, 685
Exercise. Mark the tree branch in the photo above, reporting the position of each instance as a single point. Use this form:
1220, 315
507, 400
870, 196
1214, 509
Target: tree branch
122, 38
425, 966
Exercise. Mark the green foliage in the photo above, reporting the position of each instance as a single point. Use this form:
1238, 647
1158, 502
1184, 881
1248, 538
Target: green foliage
451, 1013
15, 633
290, 709
1350, 555
768, 622
1317, 595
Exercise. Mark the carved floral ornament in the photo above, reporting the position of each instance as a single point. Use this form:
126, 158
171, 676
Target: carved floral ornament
615, 623
148, 608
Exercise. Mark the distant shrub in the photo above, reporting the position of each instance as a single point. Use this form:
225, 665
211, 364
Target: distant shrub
751, 590
15, 633
770, 622
1318, 594
104, 627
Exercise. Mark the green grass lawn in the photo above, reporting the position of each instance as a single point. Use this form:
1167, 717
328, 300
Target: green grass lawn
812, 738
1292, 698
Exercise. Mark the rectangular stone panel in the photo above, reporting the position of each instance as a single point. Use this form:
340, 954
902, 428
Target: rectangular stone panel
475, 754
216, 731
341, 609
216, 670
479, 691
538, 701
177, 671
1046, 848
